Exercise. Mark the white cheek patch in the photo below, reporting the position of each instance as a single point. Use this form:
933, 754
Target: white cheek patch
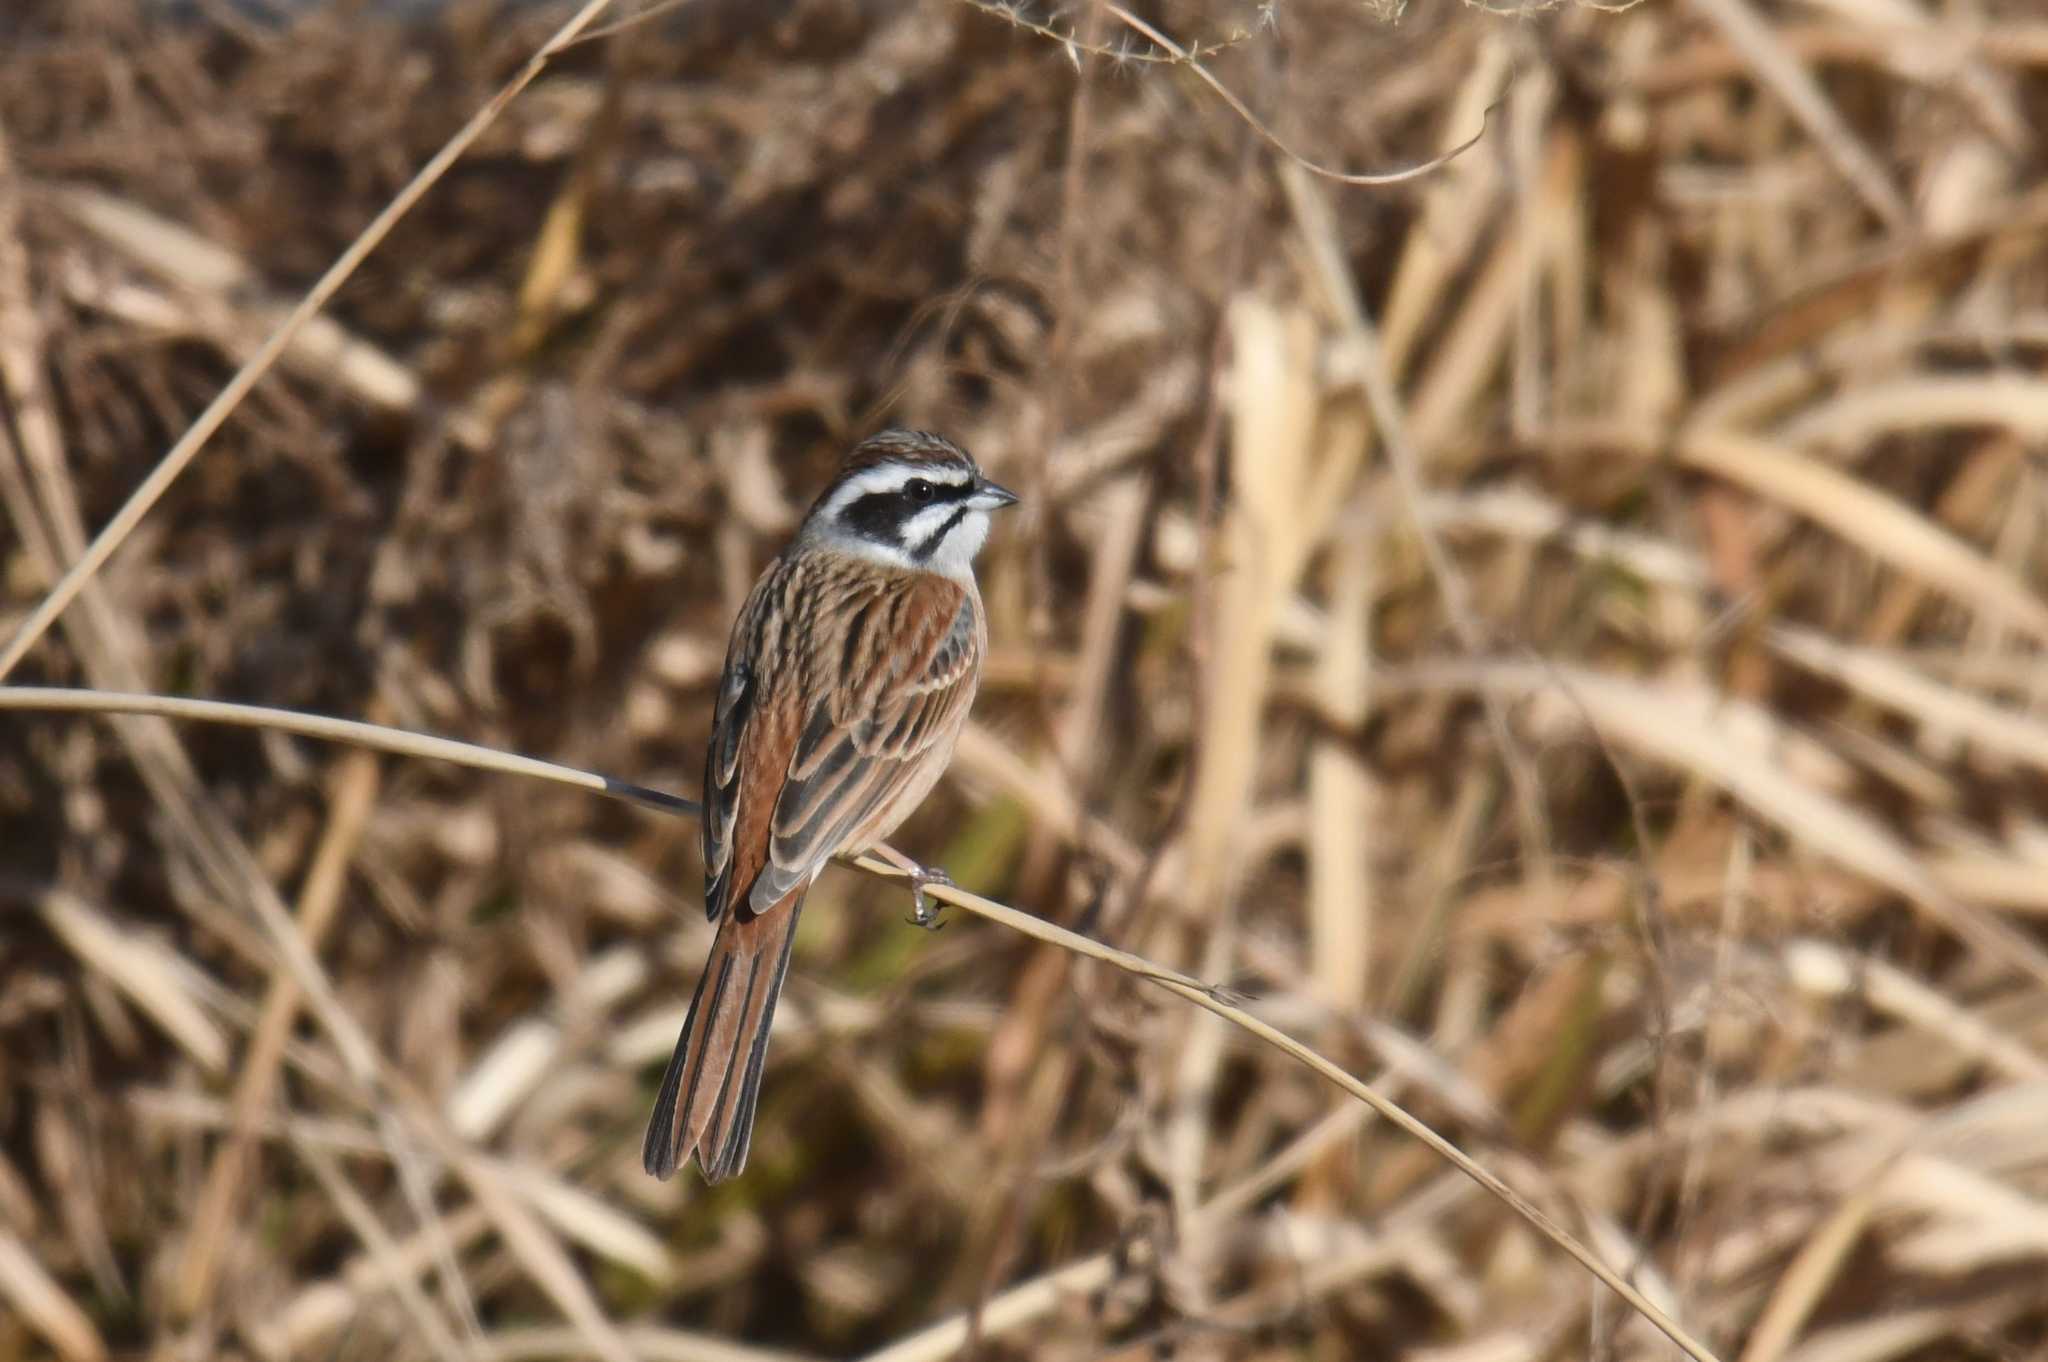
928, 522
955, 554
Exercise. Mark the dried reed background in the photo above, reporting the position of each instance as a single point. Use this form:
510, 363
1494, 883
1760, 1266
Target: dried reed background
1561, 636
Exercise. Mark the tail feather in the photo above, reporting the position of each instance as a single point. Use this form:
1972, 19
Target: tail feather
713, 1084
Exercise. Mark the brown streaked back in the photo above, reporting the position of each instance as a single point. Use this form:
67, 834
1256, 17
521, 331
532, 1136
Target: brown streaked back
861, 674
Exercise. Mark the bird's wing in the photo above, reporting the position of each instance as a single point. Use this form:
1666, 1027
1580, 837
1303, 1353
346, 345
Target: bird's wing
876, 668
744, 722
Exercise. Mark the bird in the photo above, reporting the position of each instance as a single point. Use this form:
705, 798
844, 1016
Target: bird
847, 681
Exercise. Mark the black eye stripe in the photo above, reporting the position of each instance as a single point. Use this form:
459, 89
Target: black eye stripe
947, 491
880, 516
877, 516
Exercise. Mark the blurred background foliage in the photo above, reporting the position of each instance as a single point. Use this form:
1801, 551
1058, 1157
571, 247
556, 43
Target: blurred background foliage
1561, 634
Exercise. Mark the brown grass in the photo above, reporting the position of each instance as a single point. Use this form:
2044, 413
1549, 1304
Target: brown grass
1560, 636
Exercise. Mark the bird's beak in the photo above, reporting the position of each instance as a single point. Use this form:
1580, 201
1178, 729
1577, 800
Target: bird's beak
991, 496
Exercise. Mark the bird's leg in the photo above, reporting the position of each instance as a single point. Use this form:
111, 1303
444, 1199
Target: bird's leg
924, 913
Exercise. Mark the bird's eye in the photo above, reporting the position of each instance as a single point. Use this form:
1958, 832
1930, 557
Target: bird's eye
919, 491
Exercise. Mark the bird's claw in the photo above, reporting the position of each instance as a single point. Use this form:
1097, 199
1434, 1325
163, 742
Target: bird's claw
923, 912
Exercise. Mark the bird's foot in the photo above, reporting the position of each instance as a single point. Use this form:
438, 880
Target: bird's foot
923, 911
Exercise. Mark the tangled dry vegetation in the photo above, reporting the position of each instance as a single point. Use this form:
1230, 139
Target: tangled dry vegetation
1563, 636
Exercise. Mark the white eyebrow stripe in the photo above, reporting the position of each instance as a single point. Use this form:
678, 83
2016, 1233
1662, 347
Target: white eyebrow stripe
890, 477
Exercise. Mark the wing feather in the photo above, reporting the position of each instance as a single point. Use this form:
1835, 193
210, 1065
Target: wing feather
748, 721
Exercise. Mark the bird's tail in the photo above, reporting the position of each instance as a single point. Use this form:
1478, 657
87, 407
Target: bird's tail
706, 1103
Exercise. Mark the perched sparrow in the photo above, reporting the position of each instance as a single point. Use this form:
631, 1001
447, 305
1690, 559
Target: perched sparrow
846, 684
